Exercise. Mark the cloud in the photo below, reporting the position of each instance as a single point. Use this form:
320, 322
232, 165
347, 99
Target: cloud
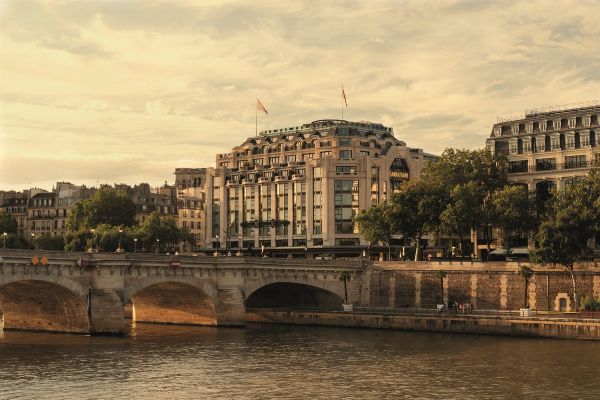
163, 83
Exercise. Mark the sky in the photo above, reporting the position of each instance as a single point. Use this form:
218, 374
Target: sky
126, 91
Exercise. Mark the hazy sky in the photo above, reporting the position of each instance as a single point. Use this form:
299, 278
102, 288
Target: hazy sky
126, 91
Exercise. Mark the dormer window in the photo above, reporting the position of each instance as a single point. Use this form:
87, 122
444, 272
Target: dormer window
515, 129
572, 122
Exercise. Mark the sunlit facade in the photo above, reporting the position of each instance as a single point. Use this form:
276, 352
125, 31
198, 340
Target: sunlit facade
297, 190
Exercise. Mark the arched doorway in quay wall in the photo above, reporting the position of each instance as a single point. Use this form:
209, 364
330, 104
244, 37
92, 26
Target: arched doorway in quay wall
39, 305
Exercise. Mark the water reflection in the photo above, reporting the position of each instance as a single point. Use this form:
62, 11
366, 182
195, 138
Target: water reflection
264, 361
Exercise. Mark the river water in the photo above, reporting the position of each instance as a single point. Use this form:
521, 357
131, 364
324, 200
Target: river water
268, 361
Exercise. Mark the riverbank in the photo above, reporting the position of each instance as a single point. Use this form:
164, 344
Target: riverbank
562, 328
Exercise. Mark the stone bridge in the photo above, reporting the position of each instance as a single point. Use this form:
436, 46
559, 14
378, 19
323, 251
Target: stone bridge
93, 293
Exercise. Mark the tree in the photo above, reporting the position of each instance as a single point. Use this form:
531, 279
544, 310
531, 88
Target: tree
572, 220
377, 224
8, 223
461, 214
526, 273
513, 212
478, 174
106, 206
165, 230
441, 274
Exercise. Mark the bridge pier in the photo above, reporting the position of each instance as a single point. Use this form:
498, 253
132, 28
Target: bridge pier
105, 312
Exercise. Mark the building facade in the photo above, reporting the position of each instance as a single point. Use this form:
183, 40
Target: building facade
296, 191
548, 150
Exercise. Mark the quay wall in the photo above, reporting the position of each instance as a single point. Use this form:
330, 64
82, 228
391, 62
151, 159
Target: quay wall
563, 328
486, 286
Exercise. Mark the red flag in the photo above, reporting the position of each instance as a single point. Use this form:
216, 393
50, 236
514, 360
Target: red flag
344, 96
260, 107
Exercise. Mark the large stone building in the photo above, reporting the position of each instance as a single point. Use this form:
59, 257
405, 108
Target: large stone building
297, 190
549, 149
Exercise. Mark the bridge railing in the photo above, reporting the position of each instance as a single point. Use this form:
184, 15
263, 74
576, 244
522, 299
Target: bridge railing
184, 259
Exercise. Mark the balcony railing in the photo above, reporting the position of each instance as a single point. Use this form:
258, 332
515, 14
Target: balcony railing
549, 167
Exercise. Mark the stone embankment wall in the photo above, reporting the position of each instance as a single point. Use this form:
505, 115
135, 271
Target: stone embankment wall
493, 286
563, 328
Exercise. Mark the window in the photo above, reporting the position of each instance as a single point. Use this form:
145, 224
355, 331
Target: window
345, 169
325, 154
273, 160
545, 164
575, 162
257, 161
571, 122
527, 146
515, 129
308, 156
587, 121
345, 154
345, 205
517, 166
540, 143
513, 147
585, 140
364, 153
290, 158
555, 143
345, 142
570, 143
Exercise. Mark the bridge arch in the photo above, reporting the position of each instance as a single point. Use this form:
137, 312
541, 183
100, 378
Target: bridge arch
172, 300
290, 293
43, 303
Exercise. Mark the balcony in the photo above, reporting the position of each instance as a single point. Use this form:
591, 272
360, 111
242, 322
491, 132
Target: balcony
550, 167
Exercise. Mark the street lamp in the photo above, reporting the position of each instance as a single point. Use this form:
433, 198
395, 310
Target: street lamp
120, 237
4, 234
157, 241
239, 253
33, 239
135, 244
216, 253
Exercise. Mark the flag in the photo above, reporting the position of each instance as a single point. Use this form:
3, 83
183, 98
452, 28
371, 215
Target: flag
344, 96
260, 107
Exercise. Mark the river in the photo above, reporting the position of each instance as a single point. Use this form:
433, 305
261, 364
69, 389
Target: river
269, 361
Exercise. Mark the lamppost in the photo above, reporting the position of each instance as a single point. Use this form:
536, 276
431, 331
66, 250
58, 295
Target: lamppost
120, 237
135, 244
4, 234
216, 253
240, 243
33, 240
157, 241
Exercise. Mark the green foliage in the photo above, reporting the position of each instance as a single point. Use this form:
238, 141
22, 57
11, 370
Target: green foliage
79, 240
377, 224
8, 223
165, 230
525, 272
590, 303
573, 218
107, 206
46, 242
441, 274
513, 212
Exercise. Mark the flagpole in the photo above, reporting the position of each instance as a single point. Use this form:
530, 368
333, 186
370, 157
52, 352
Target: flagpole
256, 121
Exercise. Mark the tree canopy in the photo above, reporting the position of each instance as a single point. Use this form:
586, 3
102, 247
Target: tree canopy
8, 223
106, 206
